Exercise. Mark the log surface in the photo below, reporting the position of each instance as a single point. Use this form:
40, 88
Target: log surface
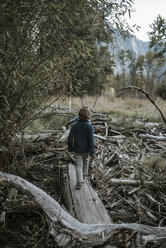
83, 204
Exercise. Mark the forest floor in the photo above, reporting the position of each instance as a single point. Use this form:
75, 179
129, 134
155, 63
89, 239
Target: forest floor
128, 173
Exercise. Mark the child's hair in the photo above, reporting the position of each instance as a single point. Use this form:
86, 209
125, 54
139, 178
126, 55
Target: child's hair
84, 113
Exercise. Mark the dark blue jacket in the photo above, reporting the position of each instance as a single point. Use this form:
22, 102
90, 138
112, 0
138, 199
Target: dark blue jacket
81, 138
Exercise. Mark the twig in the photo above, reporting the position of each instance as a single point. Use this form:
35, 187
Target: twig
81, 98
95, 102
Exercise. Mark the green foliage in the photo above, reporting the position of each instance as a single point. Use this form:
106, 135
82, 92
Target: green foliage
104, 68
158, 36
50, 121
47, 47
129, 69
143, 72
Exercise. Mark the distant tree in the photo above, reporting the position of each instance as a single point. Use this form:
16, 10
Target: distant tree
132, 67
160, 89
98, 80
158, 36
149, 69
158, 43
123, 58
140, 69
160, 68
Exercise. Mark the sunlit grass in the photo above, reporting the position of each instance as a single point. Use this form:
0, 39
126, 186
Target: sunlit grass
116, 107
128, 107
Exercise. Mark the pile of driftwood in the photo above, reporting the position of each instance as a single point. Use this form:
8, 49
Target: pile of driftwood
128, 174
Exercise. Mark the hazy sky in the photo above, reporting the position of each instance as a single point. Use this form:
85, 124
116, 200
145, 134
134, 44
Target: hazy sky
146, 11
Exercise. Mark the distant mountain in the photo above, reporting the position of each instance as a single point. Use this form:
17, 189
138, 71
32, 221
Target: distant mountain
136, 46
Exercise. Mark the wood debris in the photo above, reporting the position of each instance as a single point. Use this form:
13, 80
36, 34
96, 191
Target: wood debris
126, 174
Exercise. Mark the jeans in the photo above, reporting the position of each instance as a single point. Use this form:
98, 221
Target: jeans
82, 165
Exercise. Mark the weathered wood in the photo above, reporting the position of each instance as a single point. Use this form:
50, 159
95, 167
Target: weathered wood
69, 232
100, 137
83, 204
148, 136
64, 136
106, 129
127, 181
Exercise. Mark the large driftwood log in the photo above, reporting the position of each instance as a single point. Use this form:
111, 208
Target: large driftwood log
128, 181
83, 204
69, 232
148, 136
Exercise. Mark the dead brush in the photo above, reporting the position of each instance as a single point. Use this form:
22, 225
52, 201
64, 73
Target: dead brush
3, 186
155, 168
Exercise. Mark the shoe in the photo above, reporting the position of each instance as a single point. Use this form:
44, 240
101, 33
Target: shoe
79, 184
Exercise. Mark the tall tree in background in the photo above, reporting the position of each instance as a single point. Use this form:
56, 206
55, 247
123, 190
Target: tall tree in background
132, 65
158, 43
149, 69
104, 68
123, 57
140, 70
158, 36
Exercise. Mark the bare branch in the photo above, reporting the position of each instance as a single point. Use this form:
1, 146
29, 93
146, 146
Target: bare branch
147, 95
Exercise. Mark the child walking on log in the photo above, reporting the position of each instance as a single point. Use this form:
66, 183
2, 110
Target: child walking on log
81, 142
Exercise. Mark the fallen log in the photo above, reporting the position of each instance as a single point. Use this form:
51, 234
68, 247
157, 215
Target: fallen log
100, 137
83, 204
69, 232
119, 181
148, 136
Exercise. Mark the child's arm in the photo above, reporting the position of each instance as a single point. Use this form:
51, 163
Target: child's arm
75, 119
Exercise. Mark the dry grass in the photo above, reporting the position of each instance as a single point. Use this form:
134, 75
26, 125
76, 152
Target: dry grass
127, 107
155, 167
